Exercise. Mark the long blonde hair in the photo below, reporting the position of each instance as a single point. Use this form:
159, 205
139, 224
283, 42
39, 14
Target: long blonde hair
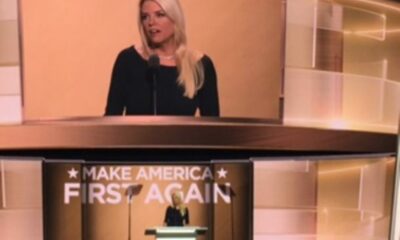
190, 69
181, 207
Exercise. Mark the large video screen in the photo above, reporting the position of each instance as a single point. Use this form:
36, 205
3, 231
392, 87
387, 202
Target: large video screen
70, 48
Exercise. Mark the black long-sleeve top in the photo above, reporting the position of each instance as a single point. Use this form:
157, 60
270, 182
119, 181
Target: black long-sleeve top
174, 217
131, 91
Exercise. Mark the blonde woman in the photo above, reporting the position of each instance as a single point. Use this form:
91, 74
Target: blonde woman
186, 79
176, 214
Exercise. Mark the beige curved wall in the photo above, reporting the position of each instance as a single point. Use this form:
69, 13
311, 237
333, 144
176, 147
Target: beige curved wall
70, 48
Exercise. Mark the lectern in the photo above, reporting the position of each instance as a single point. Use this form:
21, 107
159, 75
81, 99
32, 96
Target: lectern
176, 233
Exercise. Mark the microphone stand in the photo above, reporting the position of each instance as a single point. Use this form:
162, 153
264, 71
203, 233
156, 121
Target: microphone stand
129, 217
154, 75
232, 218
131, 191
154, 65
227, 190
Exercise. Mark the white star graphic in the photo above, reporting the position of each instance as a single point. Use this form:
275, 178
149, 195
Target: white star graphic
222, 173
73, 173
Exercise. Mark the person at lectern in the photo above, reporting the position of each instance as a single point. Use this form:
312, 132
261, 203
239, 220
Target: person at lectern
162, 76
177, 214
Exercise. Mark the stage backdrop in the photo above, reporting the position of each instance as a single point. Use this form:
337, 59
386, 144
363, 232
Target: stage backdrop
70, 47
92, 200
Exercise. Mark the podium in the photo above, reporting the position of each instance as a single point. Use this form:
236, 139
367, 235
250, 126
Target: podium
176, 233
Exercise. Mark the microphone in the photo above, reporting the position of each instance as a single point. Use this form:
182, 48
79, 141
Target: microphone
154, 62
133, 190
227, 190
154, 65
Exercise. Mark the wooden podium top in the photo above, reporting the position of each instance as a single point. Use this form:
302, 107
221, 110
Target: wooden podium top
187, 133
175, 230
